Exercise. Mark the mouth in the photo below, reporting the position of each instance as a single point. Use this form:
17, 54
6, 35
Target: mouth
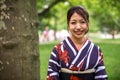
78, 32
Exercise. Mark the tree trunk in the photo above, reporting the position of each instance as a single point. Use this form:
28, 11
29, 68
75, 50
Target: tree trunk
19, 54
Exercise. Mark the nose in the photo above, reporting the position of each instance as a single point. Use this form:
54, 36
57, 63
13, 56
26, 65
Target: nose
78, 26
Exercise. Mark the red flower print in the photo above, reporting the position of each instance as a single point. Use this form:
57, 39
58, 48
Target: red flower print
63, 55
50, 78
101, 57
75, 68
74, 78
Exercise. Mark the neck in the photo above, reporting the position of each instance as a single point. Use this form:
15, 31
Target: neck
78, 41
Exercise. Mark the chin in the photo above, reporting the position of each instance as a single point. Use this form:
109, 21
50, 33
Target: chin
79, 37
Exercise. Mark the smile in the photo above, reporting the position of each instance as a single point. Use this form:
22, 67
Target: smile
78, 32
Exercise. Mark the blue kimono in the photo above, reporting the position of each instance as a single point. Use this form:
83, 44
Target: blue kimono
66, 55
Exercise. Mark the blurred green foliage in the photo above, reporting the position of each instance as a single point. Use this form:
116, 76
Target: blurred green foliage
103, 13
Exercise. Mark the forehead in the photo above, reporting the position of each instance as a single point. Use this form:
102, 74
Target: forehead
76, 16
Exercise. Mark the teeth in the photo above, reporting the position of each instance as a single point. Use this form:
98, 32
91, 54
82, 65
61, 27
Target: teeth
78, 32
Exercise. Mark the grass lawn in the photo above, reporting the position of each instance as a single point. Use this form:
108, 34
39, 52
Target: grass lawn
110, 49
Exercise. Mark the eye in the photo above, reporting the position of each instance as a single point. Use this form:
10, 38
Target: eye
82, 22
73, 23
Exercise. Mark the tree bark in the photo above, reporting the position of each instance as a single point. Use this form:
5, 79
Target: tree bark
19, 54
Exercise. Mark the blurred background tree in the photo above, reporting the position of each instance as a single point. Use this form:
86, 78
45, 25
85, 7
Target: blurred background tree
103, 14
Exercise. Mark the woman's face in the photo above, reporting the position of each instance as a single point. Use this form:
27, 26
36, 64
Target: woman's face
77, 26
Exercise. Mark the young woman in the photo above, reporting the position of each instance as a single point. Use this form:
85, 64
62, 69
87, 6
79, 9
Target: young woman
76, 57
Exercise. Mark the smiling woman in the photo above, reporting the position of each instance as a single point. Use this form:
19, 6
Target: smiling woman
78, 28
76, 57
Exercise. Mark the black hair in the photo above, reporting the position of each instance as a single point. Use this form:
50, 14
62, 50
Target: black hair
79, 10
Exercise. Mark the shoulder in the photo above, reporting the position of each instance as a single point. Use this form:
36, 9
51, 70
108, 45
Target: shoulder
95, 45
58, 46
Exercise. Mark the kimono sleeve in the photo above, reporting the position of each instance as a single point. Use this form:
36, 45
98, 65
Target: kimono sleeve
100, 73
53, 66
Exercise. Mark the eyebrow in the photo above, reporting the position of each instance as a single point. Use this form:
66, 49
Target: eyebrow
79, 20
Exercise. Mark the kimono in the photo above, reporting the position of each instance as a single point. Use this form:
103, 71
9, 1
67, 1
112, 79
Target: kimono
66, 55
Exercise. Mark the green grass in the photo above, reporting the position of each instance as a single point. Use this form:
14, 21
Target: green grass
45, 51
110, 49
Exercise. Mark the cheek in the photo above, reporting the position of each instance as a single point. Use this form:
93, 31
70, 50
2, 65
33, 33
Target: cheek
70, 27
85, 26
